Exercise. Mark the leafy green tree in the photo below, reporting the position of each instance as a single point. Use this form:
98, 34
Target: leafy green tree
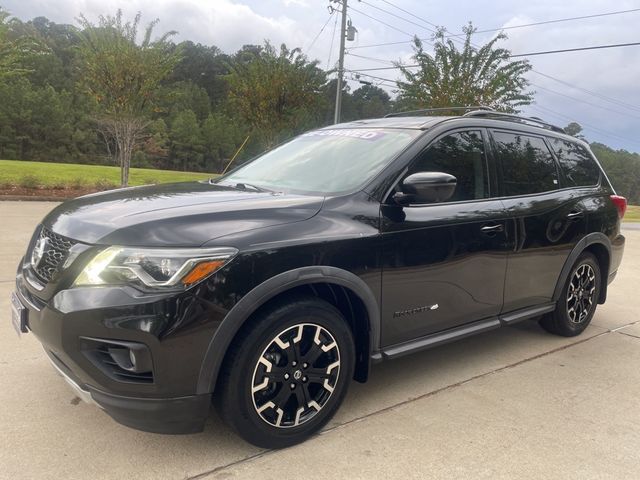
14, 51
123, 76
206, 67
186, 141
61, 67
370, 102
275, 92
221, 138
35, 122
178, 96
469, 76
156, 145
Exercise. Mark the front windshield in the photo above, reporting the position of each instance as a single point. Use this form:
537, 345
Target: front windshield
324, 161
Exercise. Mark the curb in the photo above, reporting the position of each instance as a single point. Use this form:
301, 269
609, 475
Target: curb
32, 198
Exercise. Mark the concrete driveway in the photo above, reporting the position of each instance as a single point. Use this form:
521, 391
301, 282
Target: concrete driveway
513, 403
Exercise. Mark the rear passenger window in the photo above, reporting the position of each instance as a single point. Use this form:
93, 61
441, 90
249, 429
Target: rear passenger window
527, 164
579, 168
459, 154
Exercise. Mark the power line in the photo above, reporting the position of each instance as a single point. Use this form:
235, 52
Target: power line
370, 58
313, 42
394, 82
380, 21
498, 29
580, 49
412, 14
333, 36
546, 22
398, 16
602, 97
584, 101
589, 126
590, 92
546, 52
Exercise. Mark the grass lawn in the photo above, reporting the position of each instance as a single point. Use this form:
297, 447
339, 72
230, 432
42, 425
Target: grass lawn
633, 214
25, 174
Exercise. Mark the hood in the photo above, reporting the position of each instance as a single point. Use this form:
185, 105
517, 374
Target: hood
178, 215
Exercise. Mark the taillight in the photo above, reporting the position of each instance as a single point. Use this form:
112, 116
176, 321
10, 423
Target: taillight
620, 203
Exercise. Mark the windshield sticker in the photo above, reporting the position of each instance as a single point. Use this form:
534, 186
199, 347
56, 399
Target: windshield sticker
360, 133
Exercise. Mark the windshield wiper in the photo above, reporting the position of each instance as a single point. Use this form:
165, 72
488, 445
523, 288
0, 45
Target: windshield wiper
241, 186
247, 186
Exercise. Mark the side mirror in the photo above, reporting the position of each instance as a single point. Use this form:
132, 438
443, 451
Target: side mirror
427, 187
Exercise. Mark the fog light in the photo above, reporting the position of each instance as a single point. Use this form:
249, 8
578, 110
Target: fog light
133, 357
121, 360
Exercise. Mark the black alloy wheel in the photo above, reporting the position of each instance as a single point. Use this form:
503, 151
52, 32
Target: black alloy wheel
581, 293
578, 300
287, 372
296, 375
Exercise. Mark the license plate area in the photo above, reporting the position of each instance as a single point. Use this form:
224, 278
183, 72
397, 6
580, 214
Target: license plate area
19, 315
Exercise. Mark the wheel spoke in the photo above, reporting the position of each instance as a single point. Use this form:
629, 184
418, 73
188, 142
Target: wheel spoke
301, 397
317, 375
282, 396
313, 354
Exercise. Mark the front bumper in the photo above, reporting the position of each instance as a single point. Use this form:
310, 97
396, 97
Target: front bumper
157, 415
176, 329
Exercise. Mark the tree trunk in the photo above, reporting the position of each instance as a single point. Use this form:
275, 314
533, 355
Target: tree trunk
126, 132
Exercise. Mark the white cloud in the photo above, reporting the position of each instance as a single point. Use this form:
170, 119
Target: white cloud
299, 3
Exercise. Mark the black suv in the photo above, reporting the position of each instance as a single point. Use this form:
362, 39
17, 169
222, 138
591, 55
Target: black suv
266, 290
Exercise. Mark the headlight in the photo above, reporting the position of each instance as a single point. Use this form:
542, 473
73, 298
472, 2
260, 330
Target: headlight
153, 267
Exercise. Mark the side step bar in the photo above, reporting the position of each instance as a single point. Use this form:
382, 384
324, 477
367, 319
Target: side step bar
440, 338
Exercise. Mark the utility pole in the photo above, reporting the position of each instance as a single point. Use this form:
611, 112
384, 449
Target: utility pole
343, 35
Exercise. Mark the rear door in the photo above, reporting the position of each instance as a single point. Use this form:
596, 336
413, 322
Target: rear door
444, 263
547, 216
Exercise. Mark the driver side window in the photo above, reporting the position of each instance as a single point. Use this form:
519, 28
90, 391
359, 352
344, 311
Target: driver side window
462, 155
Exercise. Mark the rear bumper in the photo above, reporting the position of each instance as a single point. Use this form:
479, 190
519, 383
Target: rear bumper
158, 415
617, 250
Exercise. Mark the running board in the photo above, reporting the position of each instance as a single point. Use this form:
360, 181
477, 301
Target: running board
447, 336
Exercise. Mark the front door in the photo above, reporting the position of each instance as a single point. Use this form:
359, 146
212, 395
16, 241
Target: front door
444, 264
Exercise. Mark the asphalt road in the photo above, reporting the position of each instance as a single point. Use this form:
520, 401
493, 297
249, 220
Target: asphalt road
512, 403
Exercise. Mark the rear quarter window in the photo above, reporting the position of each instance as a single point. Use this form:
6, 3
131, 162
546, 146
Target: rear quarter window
577, 165
526, 163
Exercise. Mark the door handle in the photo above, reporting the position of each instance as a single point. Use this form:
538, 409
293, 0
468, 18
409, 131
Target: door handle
575, 214
492, 228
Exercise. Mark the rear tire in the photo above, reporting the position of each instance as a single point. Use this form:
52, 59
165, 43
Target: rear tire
578, 300
287, 373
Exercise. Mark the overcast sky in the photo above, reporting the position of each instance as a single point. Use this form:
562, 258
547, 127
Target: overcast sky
614, 73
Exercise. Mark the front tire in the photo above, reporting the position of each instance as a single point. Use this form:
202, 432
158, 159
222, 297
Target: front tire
287, 373
578, 300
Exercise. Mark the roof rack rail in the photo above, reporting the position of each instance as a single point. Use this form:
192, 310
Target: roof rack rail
410, 113
514, 118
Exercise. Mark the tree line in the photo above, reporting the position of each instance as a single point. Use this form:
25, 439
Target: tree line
115, 93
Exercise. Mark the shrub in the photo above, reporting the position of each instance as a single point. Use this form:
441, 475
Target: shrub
104, 184
29, 181
77, 183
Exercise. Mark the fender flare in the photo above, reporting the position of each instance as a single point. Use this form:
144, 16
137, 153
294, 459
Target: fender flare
586, 241
233, 321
